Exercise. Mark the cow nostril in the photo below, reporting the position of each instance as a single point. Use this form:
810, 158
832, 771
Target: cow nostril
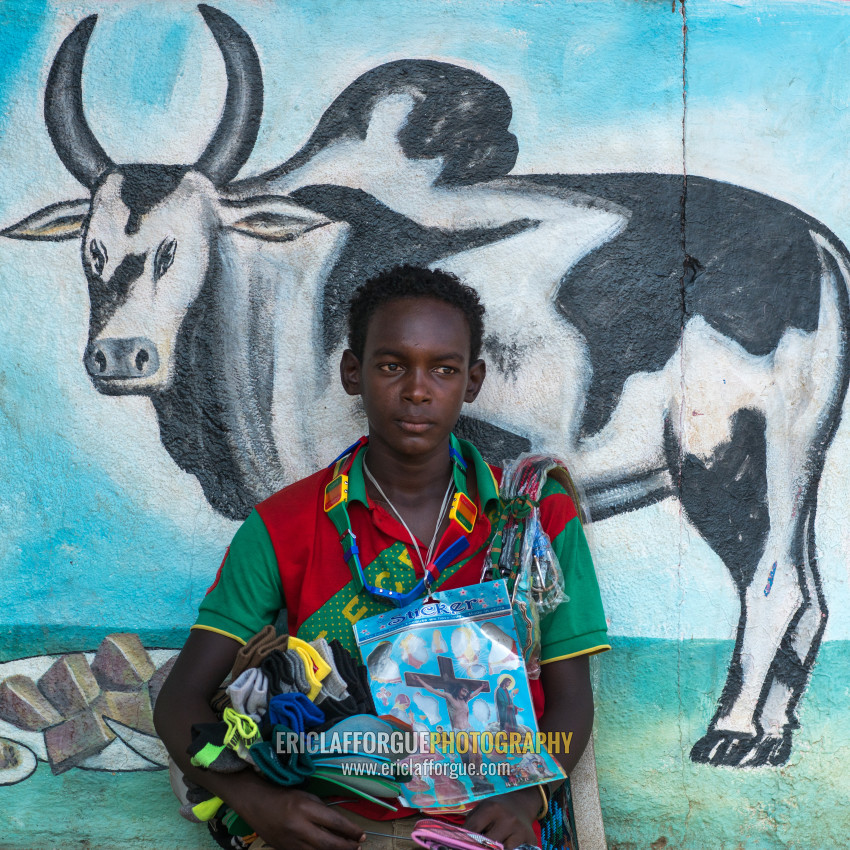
141, 358
100, 359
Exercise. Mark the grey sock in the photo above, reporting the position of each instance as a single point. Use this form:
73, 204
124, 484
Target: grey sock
249, 693
333, 684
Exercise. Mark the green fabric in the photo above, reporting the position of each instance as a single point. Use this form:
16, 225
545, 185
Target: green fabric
206, 810
577, 625
251, 595
207, 755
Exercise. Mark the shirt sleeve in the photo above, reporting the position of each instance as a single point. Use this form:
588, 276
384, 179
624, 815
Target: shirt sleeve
577, 626
247, 593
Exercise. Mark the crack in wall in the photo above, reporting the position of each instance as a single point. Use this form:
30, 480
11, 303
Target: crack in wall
680, 460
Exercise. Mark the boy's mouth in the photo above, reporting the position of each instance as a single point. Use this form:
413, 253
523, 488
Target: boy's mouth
413, 426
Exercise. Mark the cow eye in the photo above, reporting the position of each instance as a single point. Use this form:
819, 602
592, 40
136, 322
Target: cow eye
164, 257
98, 256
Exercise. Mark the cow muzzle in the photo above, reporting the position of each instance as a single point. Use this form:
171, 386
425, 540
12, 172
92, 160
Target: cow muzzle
121, 359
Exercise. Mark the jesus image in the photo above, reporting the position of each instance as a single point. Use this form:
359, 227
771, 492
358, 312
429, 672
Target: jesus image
457, 693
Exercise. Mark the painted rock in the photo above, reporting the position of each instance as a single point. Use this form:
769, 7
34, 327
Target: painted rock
132, 708
23, 705
121, 663
75, 739
69, 684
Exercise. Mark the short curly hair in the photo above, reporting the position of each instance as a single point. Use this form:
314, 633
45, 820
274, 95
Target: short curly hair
413, 282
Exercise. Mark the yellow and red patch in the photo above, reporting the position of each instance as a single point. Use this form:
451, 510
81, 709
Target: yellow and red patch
336, 492
463, 512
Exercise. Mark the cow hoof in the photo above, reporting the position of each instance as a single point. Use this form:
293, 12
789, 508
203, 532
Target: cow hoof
723, 748
728, 749
776, 751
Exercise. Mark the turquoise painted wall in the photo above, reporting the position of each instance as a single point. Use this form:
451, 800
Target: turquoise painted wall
103, 532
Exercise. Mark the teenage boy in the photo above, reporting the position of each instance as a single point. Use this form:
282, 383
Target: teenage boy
415, 337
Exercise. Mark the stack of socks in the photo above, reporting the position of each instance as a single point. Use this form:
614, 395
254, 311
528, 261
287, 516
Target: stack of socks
287, 685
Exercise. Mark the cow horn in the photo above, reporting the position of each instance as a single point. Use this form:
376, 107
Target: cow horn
237, 130
74, 141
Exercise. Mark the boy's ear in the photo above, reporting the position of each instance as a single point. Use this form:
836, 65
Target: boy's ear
349, 372
477, 373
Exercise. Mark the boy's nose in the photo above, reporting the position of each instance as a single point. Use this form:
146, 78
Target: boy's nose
416, 388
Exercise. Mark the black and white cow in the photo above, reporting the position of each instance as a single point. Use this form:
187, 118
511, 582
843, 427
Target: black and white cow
670, 337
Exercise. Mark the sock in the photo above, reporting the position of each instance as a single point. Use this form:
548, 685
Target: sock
355, 676
311, 675
320, 667
336, 710
333, 684
235, 824
295, 711
302, 683
249, 693
346, 665
258, 648
367, 704
278, 669
219, 701
242, 732
195, 793
208, 749
219, 834
287, 769
201, 812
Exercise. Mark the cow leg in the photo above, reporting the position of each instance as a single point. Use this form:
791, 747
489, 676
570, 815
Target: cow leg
727, 500
793, 664
783, 614
797, 394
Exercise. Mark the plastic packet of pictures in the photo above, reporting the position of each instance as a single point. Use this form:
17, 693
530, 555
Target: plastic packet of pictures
450, 666
526, 557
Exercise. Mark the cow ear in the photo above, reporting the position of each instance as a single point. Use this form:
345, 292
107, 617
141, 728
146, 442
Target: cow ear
272, 218
52, 224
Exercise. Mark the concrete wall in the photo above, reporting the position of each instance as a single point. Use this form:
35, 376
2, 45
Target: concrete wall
652, 200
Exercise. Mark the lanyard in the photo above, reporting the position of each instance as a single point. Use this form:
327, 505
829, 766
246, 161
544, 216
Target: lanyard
454, 542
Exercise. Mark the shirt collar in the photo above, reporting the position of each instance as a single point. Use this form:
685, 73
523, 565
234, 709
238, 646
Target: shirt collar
488, 490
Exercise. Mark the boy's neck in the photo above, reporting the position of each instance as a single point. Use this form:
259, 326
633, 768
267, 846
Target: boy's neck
410, 478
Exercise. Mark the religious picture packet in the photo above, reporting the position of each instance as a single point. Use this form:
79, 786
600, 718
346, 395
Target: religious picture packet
449, 666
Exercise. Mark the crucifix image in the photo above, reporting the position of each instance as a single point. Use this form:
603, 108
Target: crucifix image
457, 693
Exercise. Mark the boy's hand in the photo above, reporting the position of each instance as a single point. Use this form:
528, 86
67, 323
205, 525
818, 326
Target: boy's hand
507, 818
295, 820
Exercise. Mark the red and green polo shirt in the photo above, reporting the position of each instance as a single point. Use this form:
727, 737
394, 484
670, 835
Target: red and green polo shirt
287, 554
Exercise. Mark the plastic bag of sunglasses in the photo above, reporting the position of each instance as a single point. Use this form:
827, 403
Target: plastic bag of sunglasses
523, 480
437, 835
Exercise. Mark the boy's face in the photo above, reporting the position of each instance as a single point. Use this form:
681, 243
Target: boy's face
415, 374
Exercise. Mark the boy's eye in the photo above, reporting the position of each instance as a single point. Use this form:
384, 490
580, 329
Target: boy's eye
446, 370
390, 367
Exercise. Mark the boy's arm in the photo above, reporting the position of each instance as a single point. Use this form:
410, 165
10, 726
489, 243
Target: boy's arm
284, 818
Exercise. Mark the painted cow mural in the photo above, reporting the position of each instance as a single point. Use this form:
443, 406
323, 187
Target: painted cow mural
720, 382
